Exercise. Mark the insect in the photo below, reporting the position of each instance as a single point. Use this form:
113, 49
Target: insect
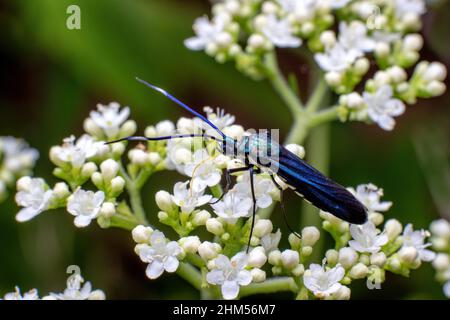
259, 152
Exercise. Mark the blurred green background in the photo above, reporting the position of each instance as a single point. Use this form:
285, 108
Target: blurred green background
51, 77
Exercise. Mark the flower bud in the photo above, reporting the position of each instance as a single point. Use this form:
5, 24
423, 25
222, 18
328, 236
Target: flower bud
258, 275
378, 259
97, 179
290, 258
61, 190
441, 262
117, 149
407, 254
328, 38
97, 295
275, 257
138, 157
306, 251
376, 218
23, 183
208, 250
109, 169
88, 169
256, 41
310, 235
412, 42
141, 234
91, 128
165, 128
435, 71
162, 216
164, 201
234, 131
190, 244
257, 257
361, 66
397, 74
150, 132
393, 228
343, 293
214, 226
262, 228
333, 78
200, 218
108, 209
359, 271
436, 88
382, 49
128, 128
294, 241
296, 149
298, 270
332, 256
440, 228
117, 184
347, 257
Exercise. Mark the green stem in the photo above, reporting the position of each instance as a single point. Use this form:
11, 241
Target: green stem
190, 274
134, 188
270, 286
317, 96
324, 116
124, 222
281, 86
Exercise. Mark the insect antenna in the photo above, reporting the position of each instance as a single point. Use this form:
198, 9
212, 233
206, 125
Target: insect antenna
178, 136
183, 105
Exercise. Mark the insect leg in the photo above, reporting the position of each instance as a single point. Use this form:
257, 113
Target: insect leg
252, 187
228, 173
282, 207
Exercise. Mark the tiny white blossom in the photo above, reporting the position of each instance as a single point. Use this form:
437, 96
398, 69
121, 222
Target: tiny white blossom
323, 282
76, 153
262, 186
203, 171
336, 58
75, 291
206, 32
279, 32
271, 241
85, 206
232, 206
303, 8
230, 274
16, 295
381, 107
337, 4
110, 118
35, 198
160, 255
219, 118
369, 195
366, 238
17, 155
416, 240
353, 37
188, 199
403, 7
447, 289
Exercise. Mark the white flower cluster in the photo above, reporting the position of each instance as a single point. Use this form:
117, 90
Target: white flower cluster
74, 291
16, 159
79, 161
367, 251
384, 32
440, 240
